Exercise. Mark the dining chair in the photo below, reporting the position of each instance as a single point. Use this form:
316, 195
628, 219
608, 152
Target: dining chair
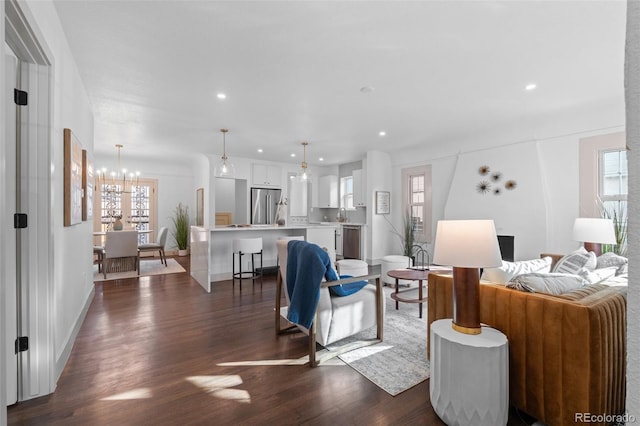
118, 247
158, 245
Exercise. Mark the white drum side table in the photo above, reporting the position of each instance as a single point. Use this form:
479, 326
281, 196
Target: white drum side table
469, 382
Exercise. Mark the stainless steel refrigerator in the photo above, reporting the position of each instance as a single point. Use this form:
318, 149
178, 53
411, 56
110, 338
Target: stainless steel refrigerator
264, 205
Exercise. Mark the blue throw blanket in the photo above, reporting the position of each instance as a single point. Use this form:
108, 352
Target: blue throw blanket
307, 264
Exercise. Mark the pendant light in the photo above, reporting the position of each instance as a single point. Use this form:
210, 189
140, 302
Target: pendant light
304, 174
224, 169
117, 181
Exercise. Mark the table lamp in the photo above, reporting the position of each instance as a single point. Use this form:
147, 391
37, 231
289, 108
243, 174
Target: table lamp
466, 245
594, 232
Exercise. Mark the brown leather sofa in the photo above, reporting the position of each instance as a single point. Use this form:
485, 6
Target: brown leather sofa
566, 353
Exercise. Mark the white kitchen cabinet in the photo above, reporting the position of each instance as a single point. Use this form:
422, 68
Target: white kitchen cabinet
359, 189
339, 240
266, 175
325, 237
327, 192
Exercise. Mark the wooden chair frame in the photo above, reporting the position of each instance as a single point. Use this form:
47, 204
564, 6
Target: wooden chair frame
313, 360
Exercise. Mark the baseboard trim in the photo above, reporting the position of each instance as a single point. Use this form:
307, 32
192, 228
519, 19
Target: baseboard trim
61, 362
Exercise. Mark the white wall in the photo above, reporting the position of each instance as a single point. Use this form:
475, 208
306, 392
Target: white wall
633, 141
378, 178
201, 173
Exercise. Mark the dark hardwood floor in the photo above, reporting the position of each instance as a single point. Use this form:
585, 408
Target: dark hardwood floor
152, 351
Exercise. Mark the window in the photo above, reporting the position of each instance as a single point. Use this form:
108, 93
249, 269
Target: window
136, 206
613, 177
416, 196
346, 193
612, 191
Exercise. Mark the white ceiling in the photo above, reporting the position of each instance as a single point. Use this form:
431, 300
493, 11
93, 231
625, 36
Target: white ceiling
292, 71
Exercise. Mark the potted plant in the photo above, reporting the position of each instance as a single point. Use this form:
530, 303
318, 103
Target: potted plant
180, 221
407, 235
618, 215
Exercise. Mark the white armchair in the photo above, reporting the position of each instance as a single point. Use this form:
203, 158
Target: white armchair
336, 317
120, 245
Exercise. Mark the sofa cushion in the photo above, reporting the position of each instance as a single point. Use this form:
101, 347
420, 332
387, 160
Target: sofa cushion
574, 262
550, 283
508, 270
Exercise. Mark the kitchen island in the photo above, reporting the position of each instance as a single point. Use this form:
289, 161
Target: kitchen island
212, 248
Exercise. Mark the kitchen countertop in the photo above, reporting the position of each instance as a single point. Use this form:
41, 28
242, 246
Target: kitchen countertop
227, 228
338, 223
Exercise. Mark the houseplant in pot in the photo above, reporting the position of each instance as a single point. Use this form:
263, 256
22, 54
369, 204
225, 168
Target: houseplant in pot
180, 221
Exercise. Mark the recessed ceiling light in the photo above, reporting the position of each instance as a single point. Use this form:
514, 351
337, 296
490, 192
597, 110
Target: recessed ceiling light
321, 159
259, 149
293, 155
530, 86
222, 96
382, 133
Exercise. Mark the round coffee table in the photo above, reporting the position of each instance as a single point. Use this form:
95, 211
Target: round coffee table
413, 275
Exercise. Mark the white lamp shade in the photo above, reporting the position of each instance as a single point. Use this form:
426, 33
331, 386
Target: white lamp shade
467, 244
594, 230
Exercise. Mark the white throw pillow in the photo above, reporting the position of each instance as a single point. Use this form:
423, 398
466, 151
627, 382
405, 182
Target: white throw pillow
574, 262
508, 270
598, 275
611, 259
551, 283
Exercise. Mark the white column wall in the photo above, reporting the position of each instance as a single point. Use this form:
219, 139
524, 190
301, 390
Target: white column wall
632, 83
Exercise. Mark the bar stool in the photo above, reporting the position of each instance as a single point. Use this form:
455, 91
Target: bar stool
241, 247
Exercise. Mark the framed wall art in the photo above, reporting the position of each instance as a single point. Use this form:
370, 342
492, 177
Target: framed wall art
383, 202
87, 186
72, 179
200, 207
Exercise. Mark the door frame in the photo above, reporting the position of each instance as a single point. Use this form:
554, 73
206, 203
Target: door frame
27, 43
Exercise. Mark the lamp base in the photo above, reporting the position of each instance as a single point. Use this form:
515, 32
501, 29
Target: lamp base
466, 330
594, 247
466, 300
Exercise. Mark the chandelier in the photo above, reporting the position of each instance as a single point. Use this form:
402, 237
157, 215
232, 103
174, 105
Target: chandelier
304, 174
224, 168
117, 181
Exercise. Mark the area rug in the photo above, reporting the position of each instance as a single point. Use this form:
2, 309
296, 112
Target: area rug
400, 361
147, 267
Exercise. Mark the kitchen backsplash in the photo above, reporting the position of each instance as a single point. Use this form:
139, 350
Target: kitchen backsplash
358, 215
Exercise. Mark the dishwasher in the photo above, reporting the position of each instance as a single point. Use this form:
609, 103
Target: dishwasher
351, 241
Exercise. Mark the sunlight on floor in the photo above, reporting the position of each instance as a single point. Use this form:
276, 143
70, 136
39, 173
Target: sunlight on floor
141, 393
365, 352
219, 386
299, 361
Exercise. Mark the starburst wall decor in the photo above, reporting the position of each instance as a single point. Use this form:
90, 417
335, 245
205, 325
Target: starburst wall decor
484, 186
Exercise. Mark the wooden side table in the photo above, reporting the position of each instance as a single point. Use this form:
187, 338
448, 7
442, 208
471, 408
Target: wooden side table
413, 275
469, 383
